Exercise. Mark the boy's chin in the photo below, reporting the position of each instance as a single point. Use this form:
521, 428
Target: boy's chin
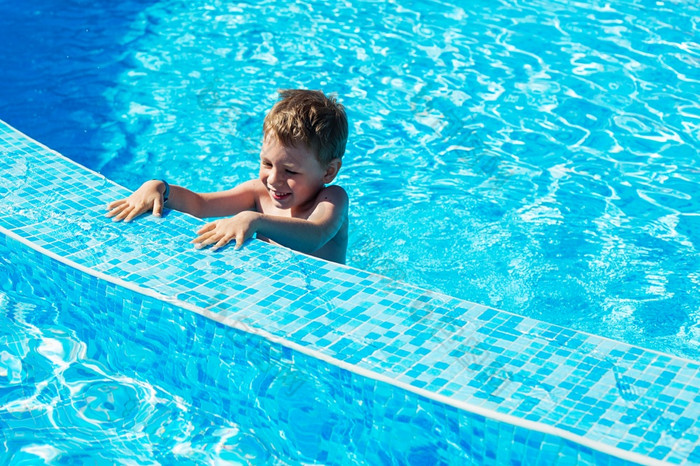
284, 203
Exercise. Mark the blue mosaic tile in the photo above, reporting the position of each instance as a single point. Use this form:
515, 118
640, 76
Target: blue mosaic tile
639, 404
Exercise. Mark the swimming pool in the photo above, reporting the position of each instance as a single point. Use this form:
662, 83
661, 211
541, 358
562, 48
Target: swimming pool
566, 158
532, 157
89, 380
125, 338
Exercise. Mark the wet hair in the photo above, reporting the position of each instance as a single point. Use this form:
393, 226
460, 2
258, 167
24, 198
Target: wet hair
310, 118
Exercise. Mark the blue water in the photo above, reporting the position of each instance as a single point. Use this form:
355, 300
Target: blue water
91, 373
539, 157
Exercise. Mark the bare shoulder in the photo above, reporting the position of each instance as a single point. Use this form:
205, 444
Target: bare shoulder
334, 194
253, 186
332, 207
259, 192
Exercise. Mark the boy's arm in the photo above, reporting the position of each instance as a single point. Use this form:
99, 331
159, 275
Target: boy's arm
303, 235
313, 233
150, 197
219, 204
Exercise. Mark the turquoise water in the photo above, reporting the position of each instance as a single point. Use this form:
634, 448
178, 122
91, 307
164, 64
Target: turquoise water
541, 157
92, 373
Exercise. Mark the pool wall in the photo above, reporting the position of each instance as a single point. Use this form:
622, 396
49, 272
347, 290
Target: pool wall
237, 375
499, 386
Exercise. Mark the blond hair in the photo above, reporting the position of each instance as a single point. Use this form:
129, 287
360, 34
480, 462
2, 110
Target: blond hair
310, 118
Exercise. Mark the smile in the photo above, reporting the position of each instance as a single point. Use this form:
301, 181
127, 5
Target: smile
279, 196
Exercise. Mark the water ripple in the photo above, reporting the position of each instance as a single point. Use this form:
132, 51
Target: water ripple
531, 123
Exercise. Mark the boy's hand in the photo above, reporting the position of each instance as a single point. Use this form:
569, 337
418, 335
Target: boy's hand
148, 196
219, 233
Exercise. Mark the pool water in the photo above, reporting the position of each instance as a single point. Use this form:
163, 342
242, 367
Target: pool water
541, 158
92, 373
69, 396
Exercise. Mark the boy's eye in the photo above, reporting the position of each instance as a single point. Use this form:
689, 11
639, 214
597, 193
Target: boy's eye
292, 172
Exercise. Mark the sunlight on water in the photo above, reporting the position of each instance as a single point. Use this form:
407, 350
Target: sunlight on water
53, 390
539, 157
104, 381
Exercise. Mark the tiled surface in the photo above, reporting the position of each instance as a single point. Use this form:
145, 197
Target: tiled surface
233, 375
592, 392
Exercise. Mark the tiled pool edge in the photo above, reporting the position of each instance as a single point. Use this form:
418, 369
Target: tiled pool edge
238, 318
311, 353
467, 438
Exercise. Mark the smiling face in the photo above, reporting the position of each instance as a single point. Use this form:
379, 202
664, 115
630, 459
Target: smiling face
293, 175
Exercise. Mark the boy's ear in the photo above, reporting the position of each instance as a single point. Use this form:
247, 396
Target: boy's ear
332, 170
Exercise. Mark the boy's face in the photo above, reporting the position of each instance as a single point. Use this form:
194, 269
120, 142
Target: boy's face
293, 176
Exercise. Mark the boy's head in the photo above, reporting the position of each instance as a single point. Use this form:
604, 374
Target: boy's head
309, 118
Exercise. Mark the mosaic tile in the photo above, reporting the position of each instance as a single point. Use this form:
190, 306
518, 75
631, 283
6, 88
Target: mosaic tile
577, 394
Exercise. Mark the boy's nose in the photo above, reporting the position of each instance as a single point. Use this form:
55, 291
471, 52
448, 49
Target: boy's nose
273, 177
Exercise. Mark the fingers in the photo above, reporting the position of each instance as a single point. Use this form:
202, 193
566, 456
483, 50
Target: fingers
114, 204
120, 212
206, 236
158, 207
240, 239
217, 235
114, 208
146, 198
125, 210
200, 242
217, 239
133, 214
221, 243
206, 228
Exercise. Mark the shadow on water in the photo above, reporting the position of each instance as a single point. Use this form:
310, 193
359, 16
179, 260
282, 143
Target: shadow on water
56, 61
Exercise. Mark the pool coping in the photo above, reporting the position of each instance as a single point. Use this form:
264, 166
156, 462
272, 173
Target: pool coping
292, 288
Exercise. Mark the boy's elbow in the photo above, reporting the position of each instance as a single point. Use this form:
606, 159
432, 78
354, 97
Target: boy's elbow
318, 241
309, 241
312, 245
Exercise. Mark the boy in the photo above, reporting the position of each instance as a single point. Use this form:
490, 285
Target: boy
304, 138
